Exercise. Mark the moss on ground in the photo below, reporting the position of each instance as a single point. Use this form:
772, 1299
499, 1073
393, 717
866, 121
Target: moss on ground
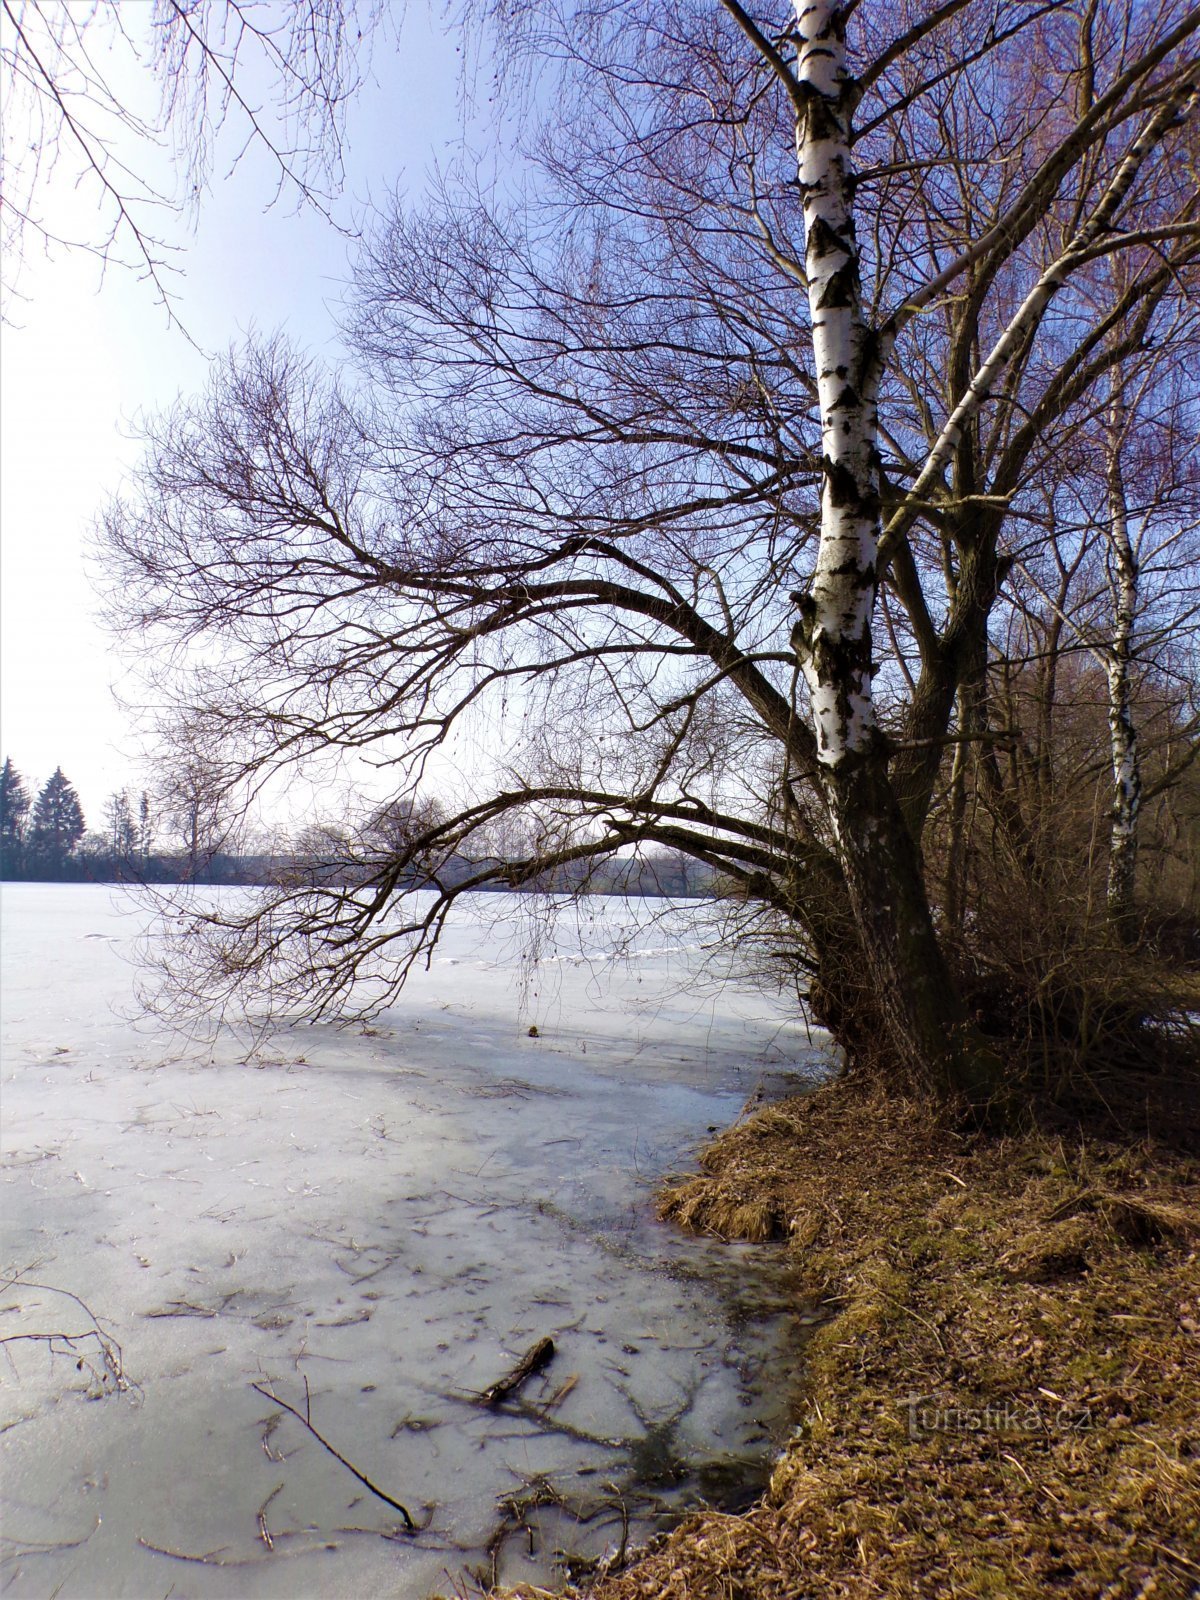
1005, 1398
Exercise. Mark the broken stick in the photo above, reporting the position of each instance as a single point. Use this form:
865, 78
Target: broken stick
305, 1417
541, 1355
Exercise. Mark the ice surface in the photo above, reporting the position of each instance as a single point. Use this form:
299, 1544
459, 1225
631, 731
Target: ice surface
393, 1215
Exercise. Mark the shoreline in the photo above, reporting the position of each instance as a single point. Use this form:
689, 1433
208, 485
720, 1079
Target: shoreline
1002, 1394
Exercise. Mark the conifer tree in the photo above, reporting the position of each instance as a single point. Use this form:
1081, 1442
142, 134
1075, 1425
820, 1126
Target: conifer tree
14, 813
57, 825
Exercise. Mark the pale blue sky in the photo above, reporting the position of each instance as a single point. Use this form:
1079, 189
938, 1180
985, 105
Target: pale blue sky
87, 354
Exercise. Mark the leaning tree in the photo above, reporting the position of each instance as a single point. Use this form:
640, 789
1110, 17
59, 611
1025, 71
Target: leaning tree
681, 485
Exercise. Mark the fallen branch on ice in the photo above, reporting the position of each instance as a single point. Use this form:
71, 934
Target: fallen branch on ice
534, 1359
305, 1417
109, 1376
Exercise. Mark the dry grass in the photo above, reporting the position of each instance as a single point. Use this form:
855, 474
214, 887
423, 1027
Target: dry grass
706, 1205
1042, 1296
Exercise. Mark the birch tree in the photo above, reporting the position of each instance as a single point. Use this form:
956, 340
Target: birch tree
1111, 581
1143, 544
1126, 764
833, 638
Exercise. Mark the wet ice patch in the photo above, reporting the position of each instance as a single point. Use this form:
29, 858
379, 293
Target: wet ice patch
377, 1225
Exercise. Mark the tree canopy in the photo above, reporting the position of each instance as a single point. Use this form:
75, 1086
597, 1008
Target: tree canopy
792, 465
132, 104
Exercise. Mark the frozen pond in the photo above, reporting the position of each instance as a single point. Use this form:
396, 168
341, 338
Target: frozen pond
390, 1217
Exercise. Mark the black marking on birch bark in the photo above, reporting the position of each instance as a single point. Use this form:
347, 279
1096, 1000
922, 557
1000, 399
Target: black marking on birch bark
851, 569
840, 289
822, 114
841, 484
802, 632
846, 493
824, 240
834, 28
868, 355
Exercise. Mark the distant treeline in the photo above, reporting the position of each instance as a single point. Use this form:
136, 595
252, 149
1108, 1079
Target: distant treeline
46, 840
659, 874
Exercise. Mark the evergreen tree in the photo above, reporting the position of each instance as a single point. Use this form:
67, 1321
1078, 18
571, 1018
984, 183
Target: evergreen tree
14, 812
56, 826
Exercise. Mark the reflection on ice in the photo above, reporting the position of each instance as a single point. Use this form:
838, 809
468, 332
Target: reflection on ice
374, 1224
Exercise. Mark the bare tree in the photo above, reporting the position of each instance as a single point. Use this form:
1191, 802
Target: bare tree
1107, 572
687, 484
1143, 544
121, 826
145, 826
195, 798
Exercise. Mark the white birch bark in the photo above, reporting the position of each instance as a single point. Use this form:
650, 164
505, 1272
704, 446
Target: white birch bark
833, 637
1126, 766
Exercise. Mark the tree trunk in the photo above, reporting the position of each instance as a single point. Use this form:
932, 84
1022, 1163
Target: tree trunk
842, 995
928, 1037
1126, 765
955, 897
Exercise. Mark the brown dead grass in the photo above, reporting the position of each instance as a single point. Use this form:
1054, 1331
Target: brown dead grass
1031, 1280
706, 1205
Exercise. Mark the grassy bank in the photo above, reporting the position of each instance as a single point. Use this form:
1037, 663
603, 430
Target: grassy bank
1038, 1296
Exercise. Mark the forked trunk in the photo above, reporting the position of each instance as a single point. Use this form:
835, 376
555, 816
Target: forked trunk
928, 1036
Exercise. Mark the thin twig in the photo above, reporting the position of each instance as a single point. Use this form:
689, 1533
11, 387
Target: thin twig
336, 1454
1174, 1555
24, 1547
217, 1558
211, 1559
264, 1532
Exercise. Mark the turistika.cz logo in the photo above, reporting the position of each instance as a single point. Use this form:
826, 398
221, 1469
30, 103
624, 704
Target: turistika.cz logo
928, 1415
